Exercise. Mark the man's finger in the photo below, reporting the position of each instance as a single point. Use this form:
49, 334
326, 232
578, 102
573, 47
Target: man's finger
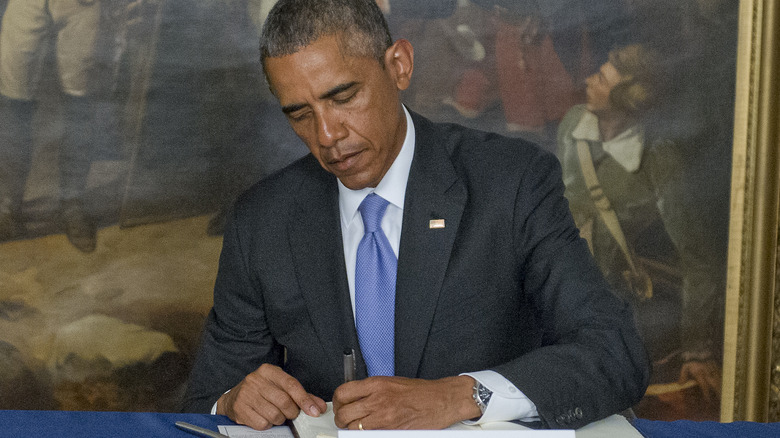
310, 404
246, 408
704, 385
355, 390
275, 404
349, 414
346, 399
254, 418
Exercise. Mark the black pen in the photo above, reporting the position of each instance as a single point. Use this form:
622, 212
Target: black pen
191, 428
349, 365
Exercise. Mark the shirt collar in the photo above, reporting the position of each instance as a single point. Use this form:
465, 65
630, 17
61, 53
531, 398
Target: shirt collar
626, 148
393, 184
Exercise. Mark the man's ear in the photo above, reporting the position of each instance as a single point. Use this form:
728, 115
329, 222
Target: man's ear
399, 61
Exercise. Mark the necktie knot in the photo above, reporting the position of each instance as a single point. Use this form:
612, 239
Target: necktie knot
372, 209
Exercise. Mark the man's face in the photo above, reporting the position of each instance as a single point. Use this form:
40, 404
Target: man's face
345, 108
598, 87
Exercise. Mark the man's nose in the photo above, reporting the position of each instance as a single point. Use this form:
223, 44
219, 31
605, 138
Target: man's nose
330, 129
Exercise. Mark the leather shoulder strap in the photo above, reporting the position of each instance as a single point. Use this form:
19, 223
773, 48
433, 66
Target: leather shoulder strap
603, 205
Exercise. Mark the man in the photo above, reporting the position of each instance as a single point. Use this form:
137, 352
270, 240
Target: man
26, 30
492, 279
641, 177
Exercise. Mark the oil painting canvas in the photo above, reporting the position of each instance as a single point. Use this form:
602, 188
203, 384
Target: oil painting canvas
130, 126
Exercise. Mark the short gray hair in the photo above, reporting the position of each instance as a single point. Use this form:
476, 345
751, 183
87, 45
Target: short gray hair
294, 24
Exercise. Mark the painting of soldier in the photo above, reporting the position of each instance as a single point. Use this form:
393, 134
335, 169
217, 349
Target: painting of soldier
627, 190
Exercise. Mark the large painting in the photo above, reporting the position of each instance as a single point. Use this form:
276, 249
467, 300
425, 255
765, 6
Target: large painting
130, 126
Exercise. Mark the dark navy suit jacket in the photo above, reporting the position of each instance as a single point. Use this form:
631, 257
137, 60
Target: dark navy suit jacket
506, 285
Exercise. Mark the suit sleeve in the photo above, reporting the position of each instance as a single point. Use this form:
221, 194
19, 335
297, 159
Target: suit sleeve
236, 339
592, 362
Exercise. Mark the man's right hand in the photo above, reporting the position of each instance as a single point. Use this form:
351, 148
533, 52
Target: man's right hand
267, 397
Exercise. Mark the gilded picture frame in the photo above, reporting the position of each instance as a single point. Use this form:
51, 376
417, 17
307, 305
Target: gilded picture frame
750, 361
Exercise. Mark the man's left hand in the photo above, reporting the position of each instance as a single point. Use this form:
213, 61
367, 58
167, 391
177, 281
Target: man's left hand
708, 376
403, 403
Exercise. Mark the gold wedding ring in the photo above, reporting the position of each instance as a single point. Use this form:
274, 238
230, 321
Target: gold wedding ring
360, 425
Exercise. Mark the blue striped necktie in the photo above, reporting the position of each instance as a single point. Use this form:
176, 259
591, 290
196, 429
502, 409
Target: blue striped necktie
375, 273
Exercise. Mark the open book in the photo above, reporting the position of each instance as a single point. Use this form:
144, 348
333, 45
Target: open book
324, 427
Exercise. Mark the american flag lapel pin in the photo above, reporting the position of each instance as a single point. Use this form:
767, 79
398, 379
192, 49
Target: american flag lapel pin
436, 223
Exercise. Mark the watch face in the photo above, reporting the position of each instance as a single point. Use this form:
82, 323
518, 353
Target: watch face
484, 394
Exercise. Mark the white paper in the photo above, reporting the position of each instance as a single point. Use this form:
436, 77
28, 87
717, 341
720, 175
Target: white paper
324, 427
456, 433
611, 427
248, 432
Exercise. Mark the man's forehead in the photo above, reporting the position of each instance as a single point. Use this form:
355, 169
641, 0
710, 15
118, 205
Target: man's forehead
319, 67
348, 44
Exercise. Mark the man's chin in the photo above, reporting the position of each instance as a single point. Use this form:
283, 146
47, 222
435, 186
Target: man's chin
355, 182
356, 176
355, 185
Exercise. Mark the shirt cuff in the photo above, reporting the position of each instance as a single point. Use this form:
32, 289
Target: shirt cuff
507, 402
214, 408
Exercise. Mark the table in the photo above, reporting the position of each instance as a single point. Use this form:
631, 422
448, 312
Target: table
66, 424
685, 428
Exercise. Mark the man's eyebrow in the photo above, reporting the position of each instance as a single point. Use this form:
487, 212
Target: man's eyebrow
288, 109
337, 89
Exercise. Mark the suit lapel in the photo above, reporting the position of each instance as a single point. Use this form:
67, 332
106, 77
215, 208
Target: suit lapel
318, 252
433, 192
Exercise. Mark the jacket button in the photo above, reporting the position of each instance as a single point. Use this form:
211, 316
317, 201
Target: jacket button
578, 413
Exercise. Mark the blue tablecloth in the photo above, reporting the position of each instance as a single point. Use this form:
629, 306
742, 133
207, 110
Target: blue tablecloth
691, 429
63, 424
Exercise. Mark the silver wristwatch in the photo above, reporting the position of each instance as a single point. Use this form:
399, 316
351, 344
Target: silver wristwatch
481, 396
